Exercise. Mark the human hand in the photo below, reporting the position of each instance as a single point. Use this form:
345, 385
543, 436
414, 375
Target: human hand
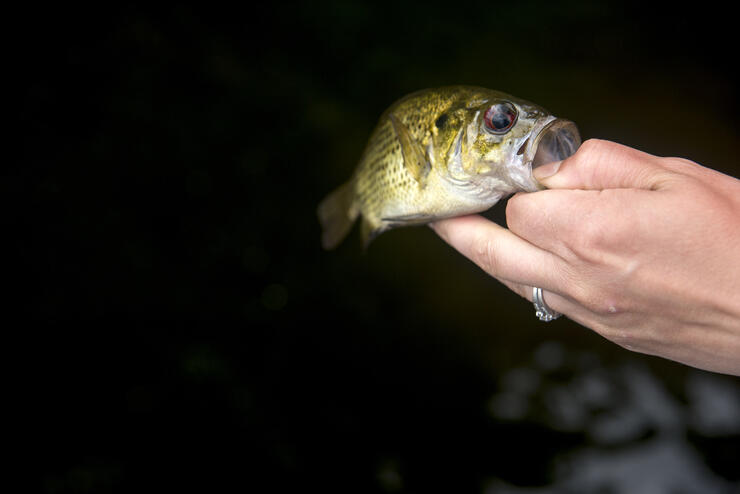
644, 250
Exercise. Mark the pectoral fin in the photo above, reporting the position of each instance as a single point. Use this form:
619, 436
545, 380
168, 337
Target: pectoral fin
414, 157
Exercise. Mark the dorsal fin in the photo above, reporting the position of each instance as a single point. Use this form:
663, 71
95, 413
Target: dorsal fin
414, 157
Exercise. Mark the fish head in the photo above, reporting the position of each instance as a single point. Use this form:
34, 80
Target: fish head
490, 142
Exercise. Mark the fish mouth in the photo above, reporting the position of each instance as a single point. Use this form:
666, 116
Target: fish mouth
553, 139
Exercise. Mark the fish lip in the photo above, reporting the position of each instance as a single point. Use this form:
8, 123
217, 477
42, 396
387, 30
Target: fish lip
551, 139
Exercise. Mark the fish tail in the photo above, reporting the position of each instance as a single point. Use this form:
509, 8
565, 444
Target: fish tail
337, 213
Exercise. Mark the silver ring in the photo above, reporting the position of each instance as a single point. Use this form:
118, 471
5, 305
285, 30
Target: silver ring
542, 311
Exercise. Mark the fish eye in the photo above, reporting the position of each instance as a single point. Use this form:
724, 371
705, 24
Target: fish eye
500, 117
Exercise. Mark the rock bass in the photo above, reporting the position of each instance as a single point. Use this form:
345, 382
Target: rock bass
444, 152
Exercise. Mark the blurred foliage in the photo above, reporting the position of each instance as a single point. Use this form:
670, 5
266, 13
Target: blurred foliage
181, 326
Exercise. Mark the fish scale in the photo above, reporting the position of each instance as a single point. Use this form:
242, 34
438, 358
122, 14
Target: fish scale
381, 174
385, 168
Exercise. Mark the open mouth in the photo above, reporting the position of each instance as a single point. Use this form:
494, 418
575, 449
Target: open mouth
557, 140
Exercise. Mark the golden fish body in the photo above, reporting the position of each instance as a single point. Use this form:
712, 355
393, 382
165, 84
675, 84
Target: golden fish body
444, 152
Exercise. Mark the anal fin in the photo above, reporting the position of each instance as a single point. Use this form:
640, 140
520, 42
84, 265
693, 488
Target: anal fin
368, 232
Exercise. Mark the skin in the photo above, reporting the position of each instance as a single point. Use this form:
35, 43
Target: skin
644, 250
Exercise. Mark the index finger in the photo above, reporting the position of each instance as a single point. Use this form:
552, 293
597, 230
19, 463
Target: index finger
501, 253
565, 222
599, 165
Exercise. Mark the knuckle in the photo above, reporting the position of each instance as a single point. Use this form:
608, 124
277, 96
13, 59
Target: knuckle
602, 230
605, 306
590, 238
570, 278
603, 301
594, 147
586, 297
484, 254
591, 151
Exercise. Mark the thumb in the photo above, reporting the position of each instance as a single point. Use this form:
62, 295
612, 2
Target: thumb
601, 165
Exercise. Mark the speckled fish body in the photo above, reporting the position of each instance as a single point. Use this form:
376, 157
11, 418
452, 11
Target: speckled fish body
444, 152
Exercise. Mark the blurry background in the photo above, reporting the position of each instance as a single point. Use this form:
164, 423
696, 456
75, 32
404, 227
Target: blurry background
181, 328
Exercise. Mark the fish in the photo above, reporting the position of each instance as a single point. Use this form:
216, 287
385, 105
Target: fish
444, 152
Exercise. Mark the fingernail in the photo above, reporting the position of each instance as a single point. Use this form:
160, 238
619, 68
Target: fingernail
546, 170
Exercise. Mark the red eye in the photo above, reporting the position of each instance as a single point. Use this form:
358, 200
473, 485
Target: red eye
500, 118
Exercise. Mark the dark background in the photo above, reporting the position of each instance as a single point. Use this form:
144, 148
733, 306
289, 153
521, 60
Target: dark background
180, 326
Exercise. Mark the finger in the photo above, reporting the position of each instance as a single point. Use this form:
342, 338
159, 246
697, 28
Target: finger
501, 253
600, 164
518, 264
600, 323
561, 221
554, 301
